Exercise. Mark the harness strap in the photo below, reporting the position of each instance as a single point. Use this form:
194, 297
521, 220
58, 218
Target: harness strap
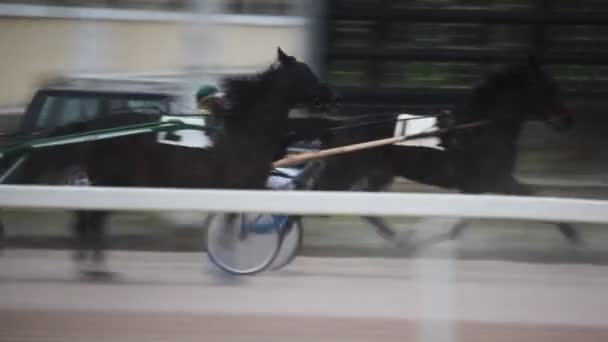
294, 160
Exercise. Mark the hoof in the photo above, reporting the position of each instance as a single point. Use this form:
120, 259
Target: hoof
95, 271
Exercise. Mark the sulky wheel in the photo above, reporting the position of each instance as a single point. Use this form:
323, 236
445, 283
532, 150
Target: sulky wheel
291, 243
242, 243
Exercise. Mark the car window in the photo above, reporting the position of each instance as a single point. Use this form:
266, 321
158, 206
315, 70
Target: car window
60, 110
149, 106
48, 107
53, 110
182, 105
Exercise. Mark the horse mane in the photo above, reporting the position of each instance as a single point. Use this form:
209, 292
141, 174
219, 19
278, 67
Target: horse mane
482, 99
243, 91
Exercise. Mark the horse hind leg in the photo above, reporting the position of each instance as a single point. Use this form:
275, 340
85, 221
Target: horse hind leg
89, 242
569, 232
428, 166
457, 230
387, 233
374, 183
382, 228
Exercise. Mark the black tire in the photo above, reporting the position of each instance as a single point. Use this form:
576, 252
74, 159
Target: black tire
291, 244
224, 234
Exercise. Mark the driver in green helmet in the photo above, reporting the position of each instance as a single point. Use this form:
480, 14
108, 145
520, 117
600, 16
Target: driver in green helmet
209, 100
211, 104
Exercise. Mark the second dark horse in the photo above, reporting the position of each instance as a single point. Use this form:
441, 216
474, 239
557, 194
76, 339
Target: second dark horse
478, 160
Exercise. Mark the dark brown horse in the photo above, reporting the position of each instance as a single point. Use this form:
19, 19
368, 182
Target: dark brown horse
240, 157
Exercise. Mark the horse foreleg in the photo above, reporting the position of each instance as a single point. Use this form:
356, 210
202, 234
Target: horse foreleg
567, 230
2, 236
79, 229
97, 236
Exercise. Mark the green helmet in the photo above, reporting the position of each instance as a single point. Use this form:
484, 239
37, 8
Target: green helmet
205, 91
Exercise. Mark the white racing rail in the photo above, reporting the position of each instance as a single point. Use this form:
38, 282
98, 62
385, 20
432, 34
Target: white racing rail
305, 202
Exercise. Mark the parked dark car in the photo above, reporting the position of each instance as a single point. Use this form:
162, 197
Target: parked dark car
68, 101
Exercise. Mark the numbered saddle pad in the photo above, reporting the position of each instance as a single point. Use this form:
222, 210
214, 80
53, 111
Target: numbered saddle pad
410, 124
194, 138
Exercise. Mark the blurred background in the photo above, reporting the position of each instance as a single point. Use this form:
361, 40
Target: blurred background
420, 56
157, 38
415, 56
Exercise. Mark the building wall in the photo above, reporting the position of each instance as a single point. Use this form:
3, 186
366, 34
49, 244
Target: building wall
253, 45
36, 48
31, 50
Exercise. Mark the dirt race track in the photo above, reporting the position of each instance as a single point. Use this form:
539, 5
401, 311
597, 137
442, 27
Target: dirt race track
180, 297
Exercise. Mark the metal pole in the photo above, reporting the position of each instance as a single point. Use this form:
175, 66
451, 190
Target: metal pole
204, 49
91, 50
314, 12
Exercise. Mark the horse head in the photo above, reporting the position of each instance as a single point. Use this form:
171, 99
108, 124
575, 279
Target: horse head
287, 83
303, 86
514, 95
